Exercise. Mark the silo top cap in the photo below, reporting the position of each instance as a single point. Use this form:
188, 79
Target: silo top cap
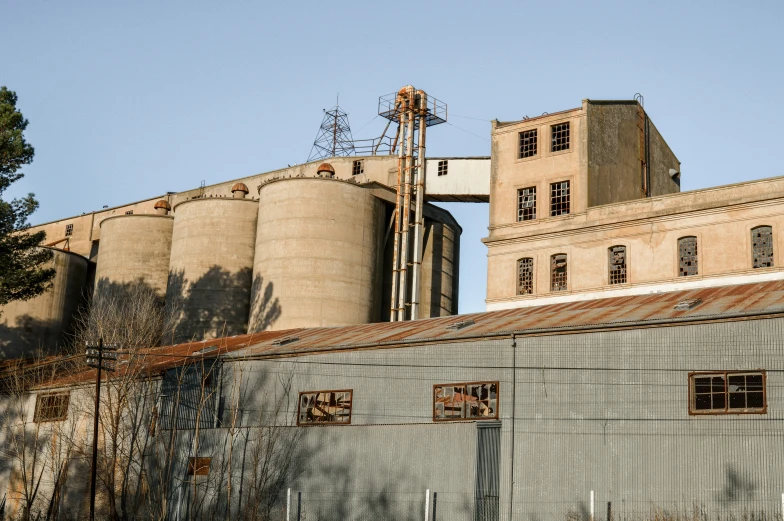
325, 167
162, 204
240, 187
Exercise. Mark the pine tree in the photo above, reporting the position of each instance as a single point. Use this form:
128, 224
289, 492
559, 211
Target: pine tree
22, 272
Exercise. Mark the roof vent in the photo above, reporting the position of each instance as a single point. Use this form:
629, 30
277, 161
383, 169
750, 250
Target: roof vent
284, 341
457, 326
686, 305
206, 350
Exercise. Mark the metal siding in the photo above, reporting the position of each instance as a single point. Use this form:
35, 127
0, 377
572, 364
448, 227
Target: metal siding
488, 459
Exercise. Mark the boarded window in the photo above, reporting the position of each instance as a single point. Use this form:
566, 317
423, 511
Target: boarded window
68, 230
526, 204
617, 262
687, 256
465, 401
525, 276
727, 392
762, 246
559, 198
51, 407
558, 272
320, 407
443, 167
560, 136
199, 466
527, 144
358, 167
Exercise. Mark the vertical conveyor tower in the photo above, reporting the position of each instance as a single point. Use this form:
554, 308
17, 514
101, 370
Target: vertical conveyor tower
414, 111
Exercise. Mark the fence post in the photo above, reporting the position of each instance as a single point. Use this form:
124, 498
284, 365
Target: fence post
427, 505
609, 511
288, 505
435, 501
299, 506
592, 517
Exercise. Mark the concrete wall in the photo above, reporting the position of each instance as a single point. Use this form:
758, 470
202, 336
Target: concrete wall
466, 180
42, 324
440, 270
721, 219
135, 248
319, 246
210, 271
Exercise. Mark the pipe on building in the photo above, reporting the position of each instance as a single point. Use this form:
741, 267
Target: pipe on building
419, 203
404, 247
398, 208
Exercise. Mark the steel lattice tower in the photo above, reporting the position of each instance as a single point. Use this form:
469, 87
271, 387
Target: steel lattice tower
334, 137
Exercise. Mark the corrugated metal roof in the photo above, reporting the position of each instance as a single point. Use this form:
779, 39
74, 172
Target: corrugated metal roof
747, 299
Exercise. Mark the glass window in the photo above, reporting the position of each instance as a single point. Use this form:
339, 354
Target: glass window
727, 392
558, 272
687, 254
319, 407
762, 247
51, 407
465, 401
559, 198
527, 143
443, 167
617, 263
560, 137
525, 276
358, 167
526, 204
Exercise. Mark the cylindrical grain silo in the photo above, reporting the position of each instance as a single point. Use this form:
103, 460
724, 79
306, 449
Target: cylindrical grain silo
44, 322
211, 266
134, 249
440, 263
318, 255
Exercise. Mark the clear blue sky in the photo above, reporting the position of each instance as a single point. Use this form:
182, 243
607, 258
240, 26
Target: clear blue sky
127, 100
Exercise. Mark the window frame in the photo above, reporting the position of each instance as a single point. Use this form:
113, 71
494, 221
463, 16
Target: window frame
533, 276
566, 278
520, 138
727, 411
553, 130
196, 465
696, 255
568, 198
466, 384
519, 207
38, 407
772, 247
312, 424
442, 168
625, 264
358, 163
69, 229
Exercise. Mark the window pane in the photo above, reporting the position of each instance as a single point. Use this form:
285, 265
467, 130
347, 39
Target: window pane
736, 383
754, 382
738, 400
617, 264
465, 401
525, 276
687, 251
559, 199
526, 204
702, 385
719, 401
762, 247
527, 144
558, 273
718, 384
702, 402
560, 136
755, 400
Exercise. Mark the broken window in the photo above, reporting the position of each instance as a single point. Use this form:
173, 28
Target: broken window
617, 265
525, 276
727, 392
559, 198
129, 212
526, 204
560, 136
318, 407
51, 407
762, 246
558, 275
442, 167
199, 466
68, 230
687, 255
358, 167
465, 401
527, 143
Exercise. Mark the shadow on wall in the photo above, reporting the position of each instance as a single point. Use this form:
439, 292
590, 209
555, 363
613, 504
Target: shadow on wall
26, 337
737, 488
220, 303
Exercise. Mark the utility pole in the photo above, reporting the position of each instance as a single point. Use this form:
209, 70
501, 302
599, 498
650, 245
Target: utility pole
97, 357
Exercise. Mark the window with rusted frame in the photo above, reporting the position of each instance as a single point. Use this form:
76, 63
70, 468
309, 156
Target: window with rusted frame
559, 198
687, 256
358, 167
762, 246
443, 167
526, 204
465, 401
558, 272
617, 263
525, 276
559, 134
199, 466
68, 230
727, 392
527, 144
51, 407
324, 407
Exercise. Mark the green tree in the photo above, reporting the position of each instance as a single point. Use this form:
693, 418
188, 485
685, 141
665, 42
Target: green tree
22, 271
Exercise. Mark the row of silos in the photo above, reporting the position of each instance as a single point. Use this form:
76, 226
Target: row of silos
310, 252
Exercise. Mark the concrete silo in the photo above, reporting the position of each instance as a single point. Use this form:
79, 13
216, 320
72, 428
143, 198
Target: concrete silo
134, 248
211, 266
318, 262
44, 322
440, 263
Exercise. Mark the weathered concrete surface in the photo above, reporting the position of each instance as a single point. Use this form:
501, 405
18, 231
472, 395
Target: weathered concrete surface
440, 270
135, 248
318, 254
467, 180
41, 325
210, 270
